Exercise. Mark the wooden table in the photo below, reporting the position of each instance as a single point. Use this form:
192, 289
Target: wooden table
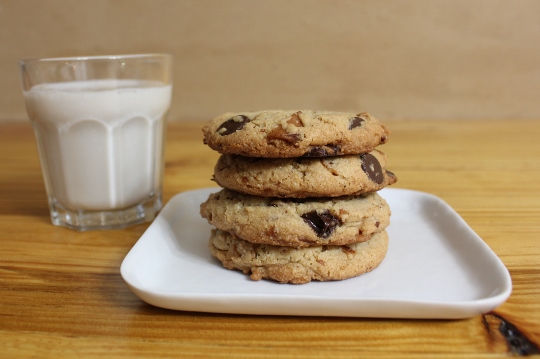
61, 294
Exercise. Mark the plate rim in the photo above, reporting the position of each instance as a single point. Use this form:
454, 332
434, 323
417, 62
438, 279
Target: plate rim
460, 309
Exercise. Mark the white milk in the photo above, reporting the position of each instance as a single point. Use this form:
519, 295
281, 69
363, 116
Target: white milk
100, 141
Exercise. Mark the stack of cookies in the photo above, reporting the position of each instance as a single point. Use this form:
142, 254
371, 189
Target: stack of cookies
299, 199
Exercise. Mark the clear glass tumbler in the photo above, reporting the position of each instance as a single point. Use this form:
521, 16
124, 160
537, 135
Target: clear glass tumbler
99, 124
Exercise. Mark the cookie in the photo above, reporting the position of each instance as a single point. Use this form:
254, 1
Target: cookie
297, 222
285, 134
304, 177
298, 265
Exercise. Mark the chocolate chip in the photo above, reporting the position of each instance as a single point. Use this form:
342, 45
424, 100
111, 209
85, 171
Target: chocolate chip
295, 119
391, 175
355, 122
323, 151
296, 200
280, 134
322, 223
372, 168
232, 125
316, 152
348, 250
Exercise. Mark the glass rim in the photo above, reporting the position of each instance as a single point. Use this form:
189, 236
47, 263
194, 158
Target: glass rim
95, 57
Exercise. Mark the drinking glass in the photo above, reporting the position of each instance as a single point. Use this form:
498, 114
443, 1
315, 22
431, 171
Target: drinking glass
99, 124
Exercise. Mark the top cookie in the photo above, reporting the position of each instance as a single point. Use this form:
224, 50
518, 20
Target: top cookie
285, 134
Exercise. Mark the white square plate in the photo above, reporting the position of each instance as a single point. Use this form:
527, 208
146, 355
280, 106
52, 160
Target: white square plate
436, 267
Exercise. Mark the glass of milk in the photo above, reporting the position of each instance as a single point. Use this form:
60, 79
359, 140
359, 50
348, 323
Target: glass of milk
99, 124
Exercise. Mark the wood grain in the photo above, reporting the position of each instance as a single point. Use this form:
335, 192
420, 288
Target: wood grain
61, 294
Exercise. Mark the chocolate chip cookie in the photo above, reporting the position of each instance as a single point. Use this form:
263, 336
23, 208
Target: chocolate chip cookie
297, 222
285, 134
298, 265
304, 177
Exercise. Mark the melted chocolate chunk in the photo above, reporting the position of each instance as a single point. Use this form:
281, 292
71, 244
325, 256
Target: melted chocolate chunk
355, 122
347, 250
316, 152
295, 119
282, 135
232, 125
372, 168
322, 223
323, 151
336, 150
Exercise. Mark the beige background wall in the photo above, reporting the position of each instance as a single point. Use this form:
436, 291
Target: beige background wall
394, 59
